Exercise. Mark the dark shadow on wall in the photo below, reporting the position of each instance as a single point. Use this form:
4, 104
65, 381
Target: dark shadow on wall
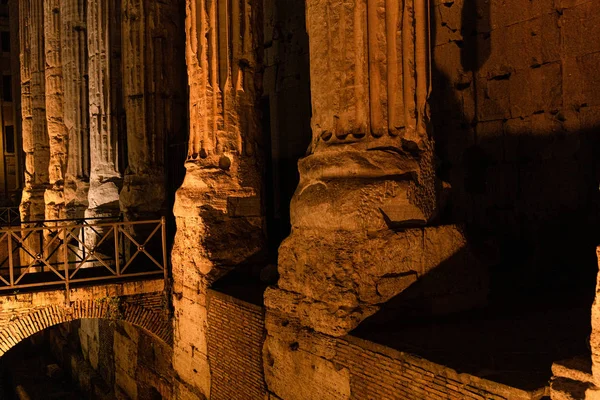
526, 190
527, 187
286, 110
513, 342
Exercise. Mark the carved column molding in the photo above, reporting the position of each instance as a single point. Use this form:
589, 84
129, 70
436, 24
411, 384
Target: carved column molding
35, 136
75, 100
57, 134
105, 178
218, 207
369, 86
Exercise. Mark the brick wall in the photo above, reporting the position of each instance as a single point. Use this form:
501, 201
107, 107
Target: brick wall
235, 338
378, 372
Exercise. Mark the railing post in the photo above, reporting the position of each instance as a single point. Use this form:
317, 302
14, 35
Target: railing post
164, 247
66, 267
10, 258
117, 261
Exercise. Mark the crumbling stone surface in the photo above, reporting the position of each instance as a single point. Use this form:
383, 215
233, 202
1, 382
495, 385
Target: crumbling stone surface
332, 283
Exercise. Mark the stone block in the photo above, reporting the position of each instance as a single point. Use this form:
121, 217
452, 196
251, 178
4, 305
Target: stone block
125, 349
295, 374
489, 137
493, 98
191, 367
447, 20
578, 24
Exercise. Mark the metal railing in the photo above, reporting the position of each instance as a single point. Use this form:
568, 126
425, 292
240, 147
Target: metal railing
9, 216
63, 253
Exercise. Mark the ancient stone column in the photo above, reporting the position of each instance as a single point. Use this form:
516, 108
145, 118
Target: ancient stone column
34, 132
105, 178
35, 136
367, 193
57, 133
75, 100
149, 35
218, 207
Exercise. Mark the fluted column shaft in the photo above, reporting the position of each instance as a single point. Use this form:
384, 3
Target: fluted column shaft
35, 136
149, 36
76, 111
105, 178
57, 133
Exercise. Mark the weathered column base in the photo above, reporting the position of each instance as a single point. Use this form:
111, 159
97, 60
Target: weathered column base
103, 197
76, 198
331, 281
219, 227
32, 207
55, 203
143, 196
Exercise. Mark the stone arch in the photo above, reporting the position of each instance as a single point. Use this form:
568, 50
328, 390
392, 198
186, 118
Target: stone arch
21, 326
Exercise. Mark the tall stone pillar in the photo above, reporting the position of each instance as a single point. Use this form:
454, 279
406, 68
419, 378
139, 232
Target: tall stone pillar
35, 136
76, 111
105, 178
57, 133
367, 195
149, 35
218, 207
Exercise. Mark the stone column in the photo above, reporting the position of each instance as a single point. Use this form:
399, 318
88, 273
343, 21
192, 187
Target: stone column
34, 132
149, 34
366, 196
76, 111
35, 136
57, 133
218, 207
105, 178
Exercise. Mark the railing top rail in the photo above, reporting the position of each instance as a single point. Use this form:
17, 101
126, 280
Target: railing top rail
75, 226
43, 221
62, 255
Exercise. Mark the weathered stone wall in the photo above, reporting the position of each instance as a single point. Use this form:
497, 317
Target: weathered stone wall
516, 113
107, 359
131, 362
235, 337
